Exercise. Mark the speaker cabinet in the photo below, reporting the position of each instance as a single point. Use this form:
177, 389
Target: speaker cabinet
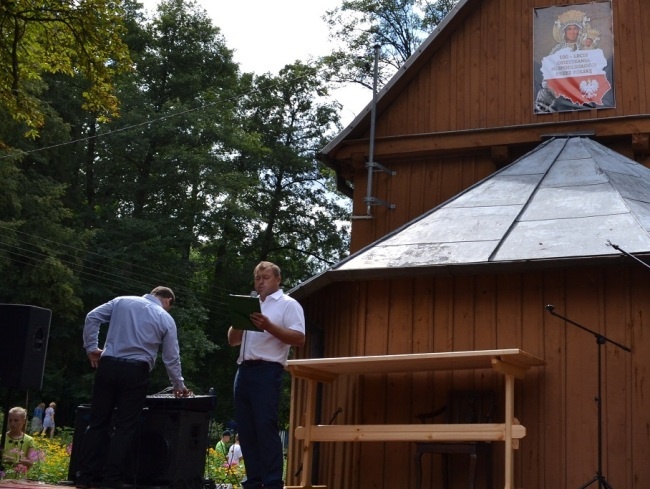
169, 449
24, 333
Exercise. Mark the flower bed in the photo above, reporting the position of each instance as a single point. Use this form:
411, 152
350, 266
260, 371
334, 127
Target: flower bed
52, 459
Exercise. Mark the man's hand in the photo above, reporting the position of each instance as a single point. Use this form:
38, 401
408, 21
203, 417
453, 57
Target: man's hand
184, 392
94, 357
260, 321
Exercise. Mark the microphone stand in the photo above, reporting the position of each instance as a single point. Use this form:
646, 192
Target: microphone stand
600, 341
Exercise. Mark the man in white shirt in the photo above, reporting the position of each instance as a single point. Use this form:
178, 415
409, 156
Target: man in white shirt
262, 357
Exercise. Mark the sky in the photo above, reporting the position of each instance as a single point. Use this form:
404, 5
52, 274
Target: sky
267, 35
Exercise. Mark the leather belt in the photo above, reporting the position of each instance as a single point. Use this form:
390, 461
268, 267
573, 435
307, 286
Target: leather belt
253, 363
130, 361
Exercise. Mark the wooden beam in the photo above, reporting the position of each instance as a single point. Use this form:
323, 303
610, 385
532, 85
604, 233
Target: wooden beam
306, 372
481, 140
305, 487
641, 144
411, 432
500, 155
506, 368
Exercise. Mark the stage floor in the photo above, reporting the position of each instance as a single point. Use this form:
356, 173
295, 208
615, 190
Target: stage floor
27, 484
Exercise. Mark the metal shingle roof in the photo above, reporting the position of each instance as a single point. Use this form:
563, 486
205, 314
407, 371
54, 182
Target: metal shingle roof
564, 200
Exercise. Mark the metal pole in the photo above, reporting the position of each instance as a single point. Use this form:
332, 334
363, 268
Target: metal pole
371, 151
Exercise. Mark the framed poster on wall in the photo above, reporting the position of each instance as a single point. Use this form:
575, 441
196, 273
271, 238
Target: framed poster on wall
573, 52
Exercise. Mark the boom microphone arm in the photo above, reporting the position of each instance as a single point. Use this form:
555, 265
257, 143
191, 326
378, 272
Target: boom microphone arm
618, 248
599, 337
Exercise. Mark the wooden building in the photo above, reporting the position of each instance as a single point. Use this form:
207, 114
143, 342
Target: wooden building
466, 117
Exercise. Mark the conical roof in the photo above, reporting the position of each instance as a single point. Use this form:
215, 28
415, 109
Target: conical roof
565, 200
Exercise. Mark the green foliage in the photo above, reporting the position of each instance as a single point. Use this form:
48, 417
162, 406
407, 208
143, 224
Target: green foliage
71, 38
397, 26
206, 172
218, 470
296, 216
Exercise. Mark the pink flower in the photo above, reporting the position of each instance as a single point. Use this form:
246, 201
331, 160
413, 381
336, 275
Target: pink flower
36, 455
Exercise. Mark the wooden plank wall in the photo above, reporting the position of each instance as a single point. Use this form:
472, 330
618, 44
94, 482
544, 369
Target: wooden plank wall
555, 403
482, 77
417, 187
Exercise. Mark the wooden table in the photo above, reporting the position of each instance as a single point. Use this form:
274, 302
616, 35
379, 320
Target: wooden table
511, 363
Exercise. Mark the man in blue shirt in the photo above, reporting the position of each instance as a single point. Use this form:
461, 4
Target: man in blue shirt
137, 328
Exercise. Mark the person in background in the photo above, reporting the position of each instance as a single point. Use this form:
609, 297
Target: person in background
48, 420
20, 450
262, 357
137, 328
37, 418
224, 444
235, 455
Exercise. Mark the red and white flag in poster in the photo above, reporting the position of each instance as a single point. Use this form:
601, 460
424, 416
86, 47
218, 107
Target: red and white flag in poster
573, 57
578, 76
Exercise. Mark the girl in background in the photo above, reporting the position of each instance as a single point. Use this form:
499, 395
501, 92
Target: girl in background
37, 419
48, 421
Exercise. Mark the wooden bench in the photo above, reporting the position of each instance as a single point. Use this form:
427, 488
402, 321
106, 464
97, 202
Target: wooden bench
412, 432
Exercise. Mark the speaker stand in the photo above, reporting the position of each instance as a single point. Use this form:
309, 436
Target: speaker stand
4, 427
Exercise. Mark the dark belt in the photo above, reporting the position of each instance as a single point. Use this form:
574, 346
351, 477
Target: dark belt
130, 361
253, 363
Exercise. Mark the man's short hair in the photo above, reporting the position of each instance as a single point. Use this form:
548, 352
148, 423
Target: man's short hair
263, 265
164, 292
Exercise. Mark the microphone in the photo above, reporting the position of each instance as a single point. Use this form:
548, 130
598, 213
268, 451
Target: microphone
254, 293
550, 307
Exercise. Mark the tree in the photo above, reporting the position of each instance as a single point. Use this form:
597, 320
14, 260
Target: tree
297, 213
205, 172
160, 167
397, 26
53, 36
41, 250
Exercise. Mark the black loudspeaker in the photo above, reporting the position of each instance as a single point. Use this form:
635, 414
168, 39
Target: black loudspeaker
81, 419
24, 333
169, 449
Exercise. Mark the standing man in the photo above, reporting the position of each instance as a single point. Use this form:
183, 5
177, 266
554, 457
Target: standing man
262, 357
137, 328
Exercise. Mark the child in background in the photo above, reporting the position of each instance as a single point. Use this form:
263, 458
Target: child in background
48, 421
